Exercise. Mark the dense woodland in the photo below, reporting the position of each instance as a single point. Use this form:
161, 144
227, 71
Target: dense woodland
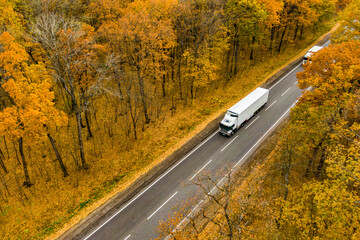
94, 91
308, 187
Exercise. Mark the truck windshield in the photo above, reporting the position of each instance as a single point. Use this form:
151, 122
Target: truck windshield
232, 114
226, 128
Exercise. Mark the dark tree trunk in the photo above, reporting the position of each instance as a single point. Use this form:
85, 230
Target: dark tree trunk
6, 147
80, 140
163, 83
119, 87
321, 164
192, 89
143, 97
27, 182
30, 52
58, 157
281, 40
252, 48
272, 36
296, 31
17, 156
228, 64
179, 76
81, 121
163, 86
133, 118
315, 151
2, 162
235, 58
301, 31
87, 119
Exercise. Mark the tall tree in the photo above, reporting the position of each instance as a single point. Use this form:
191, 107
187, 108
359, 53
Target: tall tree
32, 113
246, 21
350, 26
142, 38
71, 49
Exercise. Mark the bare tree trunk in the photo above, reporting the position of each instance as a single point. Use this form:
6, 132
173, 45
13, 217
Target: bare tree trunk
228, 64
281, 39
235, 58
81, 121
296, 31
252, 48
88, 124
17, 156
58, 157
163, 83
6, 147
142, 94
192, 89
179, 78
27, 182
2, 162
321, 164
315, 151
80, 140
301, 31
272, 36
133, 120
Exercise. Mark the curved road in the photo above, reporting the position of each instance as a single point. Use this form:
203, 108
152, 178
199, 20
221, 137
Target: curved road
139, 218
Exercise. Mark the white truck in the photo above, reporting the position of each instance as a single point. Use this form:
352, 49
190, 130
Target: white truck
311, 51
242, 111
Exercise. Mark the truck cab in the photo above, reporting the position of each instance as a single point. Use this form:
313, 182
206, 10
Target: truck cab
311, 51
227, 125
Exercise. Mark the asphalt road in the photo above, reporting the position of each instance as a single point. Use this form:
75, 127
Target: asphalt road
139, 218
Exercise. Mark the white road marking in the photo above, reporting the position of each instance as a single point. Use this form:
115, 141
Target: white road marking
161, 206
127, 237
229, 143
212, 190
295, 83
189, 215
140, 194
327, 42
196, 207
270, 105
200, 170
284, 76
221, 180
252, 122
262, 137
286, 91
186, 218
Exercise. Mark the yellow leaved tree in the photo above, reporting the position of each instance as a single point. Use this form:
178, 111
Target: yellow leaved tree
31, 113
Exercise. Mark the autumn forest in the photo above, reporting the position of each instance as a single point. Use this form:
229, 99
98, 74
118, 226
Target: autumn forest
95, 92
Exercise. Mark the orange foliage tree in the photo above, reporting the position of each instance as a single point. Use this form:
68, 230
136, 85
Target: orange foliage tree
32, 113
142, 38
329, 117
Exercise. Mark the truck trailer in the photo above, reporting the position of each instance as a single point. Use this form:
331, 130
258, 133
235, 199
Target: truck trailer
311, 51
242, 111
